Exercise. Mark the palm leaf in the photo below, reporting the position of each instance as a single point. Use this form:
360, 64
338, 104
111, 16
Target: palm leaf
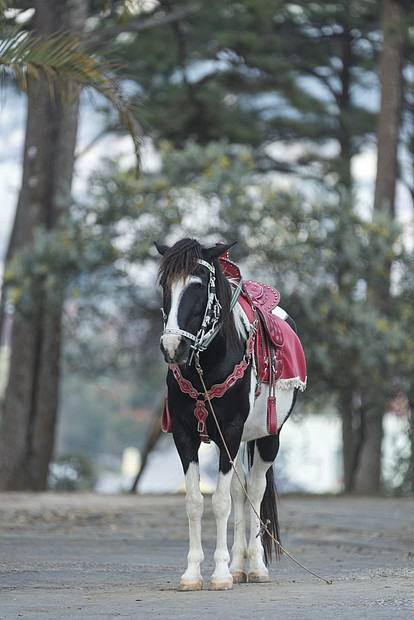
62, 59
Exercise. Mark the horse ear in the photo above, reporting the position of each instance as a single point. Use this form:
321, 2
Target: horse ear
161, 247
216, 251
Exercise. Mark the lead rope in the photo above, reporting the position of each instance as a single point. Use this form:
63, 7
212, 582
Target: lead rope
263, 526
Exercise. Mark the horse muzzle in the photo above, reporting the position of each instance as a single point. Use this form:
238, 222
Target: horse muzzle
175, 348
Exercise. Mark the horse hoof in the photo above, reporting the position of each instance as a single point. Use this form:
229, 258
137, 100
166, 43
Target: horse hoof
258, 577
239, 576
225, 583
190, 585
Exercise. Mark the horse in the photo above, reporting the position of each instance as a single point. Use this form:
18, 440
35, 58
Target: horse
209, 343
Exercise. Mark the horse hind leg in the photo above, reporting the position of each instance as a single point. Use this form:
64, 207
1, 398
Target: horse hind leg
239, 549
194, 501
261, 487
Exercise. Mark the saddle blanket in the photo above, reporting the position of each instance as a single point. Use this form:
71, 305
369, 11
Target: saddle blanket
289, 363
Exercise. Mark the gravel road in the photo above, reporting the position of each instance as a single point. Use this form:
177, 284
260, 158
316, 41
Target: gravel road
92, 556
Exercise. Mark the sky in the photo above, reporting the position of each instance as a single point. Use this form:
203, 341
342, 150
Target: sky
12, 119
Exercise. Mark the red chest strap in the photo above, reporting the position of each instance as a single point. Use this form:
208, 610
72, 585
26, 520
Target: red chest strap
216, 391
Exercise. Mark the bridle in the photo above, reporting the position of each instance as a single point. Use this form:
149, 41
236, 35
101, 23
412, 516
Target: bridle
210, 323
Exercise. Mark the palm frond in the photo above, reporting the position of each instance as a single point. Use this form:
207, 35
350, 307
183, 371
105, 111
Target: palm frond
62, 59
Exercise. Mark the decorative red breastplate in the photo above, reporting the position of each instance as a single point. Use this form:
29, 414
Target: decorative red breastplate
216, 391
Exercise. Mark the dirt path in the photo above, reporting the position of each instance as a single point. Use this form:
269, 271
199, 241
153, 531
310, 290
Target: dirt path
89, 556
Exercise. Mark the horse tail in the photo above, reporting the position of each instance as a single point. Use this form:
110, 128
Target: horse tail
269, 516
268, 512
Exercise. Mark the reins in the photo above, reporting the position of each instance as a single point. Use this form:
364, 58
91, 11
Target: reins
264, 527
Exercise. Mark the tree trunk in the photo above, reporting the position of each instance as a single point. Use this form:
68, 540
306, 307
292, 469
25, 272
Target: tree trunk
368, 473
362, 437
348, 438
344, 102
153, 436
411, 463
391, 79
31, 399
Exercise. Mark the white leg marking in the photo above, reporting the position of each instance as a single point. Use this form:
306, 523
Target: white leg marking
194, 501
256, 488
239, 550
221, 578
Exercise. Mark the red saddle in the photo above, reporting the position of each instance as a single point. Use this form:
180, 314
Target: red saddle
269, 341
262, 297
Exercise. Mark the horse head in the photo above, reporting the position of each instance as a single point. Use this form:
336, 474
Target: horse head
187, 274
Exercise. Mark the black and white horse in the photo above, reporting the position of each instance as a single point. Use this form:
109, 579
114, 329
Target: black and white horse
205, 325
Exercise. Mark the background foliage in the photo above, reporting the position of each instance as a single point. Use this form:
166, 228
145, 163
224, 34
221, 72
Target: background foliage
256, 112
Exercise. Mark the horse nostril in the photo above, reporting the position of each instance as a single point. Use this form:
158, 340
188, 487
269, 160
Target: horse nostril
169, 345
168, 355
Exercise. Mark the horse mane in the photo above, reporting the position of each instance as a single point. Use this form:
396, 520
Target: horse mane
181, 261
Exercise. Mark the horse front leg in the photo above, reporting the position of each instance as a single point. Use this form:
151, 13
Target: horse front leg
221, 500
239, 550
194, 502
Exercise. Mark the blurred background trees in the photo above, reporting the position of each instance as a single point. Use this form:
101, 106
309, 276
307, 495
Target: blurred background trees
262, 117
42, 65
